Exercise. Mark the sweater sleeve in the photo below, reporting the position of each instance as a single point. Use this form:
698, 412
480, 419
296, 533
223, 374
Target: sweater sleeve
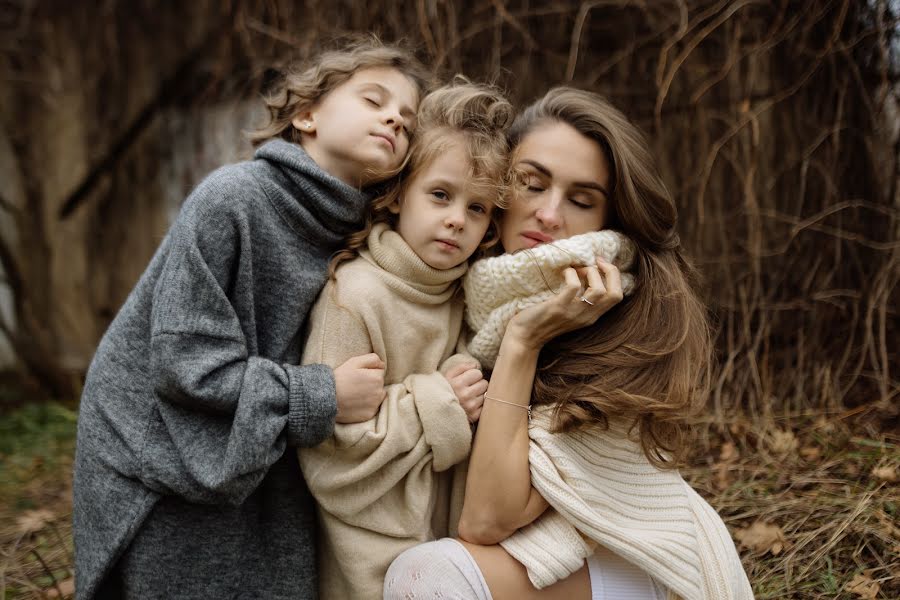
225, 414
365, 469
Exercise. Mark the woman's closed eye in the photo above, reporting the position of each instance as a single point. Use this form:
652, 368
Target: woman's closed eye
532, 183
581, 202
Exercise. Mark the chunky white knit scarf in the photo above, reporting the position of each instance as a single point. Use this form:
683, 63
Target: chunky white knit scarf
498, 287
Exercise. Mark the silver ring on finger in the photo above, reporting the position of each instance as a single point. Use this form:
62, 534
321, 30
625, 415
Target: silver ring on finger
583, 299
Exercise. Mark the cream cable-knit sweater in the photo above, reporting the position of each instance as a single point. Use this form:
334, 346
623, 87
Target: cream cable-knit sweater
498, 287
384, 485
603, 490
601, 487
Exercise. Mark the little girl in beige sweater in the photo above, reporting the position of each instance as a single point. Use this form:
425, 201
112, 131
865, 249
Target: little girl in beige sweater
384, 485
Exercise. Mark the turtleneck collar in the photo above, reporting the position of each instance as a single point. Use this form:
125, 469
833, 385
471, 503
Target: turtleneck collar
409, 274
316, 204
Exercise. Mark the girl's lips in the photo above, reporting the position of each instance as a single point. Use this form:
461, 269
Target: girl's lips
385, 138
447, 244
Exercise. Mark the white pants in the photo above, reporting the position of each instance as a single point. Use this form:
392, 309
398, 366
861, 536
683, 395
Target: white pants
445, 569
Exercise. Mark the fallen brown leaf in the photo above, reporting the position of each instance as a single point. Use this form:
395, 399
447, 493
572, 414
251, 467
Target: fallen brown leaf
886, 473
762, 537
722, 477
863, 586
67, 587
811, 453
33, 520
729, 452
783, 442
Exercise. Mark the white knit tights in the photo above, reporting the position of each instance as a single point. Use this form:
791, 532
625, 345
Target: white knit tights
443, 569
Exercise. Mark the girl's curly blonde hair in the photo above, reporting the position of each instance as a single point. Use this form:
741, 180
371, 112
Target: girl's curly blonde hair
304, 84
477, 114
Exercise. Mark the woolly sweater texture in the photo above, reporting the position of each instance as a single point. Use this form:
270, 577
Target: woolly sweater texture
182, 486
497, 288
387, 484
600, 485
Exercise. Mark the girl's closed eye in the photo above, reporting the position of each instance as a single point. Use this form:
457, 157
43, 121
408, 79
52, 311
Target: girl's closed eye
372, 100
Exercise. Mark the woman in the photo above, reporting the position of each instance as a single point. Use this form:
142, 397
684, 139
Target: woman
585, 503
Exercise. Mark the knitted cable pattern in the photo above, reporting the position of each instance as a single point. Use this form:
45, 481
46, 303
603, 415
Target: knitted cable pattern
603, 490
497, 288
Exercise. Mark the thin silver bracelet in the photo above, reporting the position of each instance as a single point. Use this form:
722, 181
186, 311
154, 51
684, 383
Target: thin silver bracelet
526, 408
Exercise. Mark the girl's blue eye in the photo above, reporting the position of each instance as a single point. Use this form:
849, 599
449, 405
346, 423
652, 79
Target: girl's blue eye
440, 194
479, 208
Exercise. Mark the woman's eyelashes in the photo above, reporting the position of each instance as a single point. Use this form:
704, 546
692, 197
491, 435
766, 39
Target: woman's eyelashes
535, 185
582, 202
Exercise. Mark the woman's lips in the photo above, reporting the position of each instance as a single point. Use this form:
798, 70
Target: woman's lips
535, 238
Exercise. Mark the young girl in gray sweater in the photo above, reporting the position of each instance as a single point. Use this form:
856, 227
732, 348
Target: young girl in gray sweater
182, 485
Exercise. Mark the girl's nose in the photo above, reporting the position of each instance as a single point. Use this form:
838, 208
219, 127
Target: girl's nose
455, 218
392, 117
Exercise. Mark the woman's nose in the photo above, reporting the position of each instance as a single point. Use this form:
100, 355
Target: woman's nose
548, 211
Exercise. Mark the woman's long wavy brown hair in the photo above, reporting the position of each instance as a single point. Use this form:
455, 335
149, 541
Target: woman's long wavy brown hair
648, 358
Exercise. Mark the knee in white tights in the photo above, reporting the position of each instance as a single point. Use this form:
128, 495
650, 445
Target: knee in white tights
443, 569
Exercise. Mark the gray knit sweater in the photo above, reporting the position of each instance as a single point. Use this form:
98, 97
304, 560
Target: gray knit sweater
183, 488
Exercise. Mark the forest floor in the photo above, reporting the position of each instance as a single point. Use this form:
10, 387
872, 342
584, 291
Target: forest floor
812, 500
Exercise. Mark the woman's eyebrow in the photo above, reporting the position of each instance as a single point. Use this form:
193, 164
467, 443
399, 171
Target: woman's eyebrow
590, 185
406, 111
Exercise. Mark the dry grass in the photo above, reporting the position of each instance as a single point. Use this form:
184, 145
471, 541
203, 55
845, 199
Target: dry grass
812, 501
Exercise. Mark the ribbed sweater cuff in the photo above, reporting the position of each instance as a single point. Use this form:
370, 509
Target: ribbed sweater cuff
550, 548
312, 405
444, 422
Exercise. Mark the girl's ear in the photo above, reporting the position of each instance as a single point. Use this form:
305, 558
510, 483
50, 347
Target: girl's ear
304, 122
394, 206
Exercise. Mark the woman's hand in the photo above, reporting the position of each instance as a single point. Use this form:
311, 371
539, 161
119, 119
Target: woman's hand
578, 303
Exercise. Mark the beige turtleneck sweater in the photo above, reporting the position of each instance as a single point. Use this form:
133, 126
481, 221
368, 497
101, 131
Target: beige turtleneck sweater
384, 485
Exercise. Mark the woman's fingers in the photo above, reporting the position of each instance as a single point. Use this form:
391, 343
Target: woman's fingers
572, 286
613, 280
595, 289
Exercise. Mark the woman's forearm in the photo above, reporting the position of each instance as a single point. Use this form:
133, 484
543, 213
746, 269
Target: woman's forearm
499, 497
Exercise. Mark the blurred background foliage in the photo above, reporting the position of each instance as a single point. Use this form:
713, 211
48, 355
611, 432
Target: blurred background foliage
777, 127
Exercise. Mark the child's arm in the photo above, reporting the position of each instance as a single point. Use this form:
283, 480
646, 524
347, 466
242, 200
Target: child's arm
225, 415
419, 428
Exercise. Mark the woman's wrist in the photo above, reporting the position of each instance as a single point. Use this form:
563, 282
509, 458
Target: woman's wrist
518, 343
